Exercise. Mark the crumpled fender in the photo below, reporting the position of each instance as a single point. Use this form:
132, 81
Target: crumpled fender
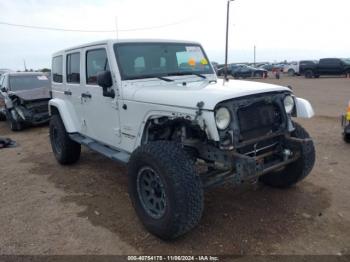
8, 102
67, 114
304, 108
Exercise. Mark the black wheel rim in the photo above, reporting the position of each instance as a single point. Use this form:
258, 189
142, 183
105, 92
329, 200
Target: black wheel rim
151, 192
56, 140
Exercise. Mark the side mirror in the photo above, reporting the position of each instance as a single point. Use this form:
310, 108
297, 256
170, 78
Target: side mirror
104, 80
3, 89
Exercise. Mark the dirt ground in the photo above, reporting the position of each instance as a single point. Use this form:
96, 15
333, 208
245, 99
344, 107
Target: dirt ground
84, 209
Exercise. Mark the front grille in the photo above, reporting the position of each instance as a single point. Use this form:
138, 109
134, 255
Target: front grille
258, 119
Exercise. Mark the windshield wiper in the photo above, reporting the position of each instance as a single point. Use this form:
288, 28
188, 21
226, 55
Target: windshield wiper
149, 76
165, 79
186, 74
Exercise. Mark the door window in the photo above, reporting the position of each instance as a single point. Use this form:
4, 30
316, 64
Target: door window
57, 69
73, 68
96, 61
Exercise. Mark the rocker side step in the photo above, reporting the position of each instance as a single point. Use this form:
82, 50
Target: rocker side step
117, 155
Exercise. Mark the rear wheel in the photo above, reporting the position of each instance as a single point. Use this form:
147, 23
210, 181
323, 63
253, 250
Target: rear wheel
309, 74
291, 72
165, 190
346, 138
258, 74
297, 170
346, 134
65, 150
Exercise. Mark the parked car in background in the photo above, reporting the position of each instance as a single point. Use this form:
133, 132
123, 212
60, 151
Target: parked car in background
327, 66
267, 67
3, 71
215, 66
25, 99
346, 125
296, 67
292, 68
242, 71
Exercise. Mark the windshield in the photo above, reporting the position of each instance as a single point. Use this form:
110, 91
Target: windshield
346, 61
146, 60
25, 82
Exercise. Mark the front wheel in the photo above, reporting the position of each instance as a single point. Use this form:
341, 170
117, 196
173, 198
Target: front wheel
2, 115
346, 138
13, 120
259, 74
165, 189
65, 150
297, 170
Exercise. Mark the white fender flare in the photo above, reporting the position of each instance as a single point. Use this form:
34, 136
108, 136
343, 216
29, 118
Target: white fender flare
304, 108
65, 109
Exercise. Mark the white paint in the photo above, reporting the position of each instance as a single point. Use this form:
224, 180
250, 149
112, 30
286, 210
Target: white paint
104, 119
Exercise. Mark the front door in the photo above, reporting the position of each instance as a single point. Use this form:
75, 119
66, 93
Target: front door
100, 114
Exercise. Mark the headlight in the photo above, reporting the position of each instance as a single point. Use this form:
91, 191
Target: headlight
289, 104
222, 118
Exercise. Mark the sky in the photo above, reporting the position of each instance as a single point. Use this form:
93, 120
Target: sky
280, 29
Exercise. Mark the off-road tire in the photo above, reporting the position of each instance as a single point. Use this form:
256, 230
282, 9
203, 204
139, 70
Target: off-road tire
291, 72
182, 187
346, 138
2, 117
13, 124
297, 170
309, 74
65, 149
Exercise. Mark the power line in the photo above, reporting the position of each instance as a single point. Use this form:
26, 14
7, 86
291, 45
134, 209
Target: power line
90, 31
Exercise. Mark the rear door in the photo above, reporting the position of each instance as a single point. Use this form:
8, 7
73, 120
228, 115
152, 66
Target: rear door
329, 66
101, 115
74, 84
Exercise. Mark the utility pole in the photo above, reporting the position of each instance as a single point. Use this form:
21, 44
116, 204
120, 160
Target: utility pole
25, 65
227, 29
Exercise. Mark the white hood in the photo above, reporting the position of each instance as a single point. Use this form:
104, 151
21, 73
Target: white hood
175, 94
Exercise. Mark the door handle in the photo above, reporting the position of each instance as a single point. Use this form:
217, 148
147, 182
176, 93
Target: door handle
86, 95
68, 93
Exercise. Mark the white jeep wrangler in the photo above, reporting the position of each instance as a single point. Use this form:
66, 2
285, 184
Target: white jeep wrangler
158, 107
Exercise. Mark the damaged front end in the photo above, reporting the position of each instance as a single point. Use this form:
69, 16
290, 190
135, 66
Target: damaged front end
259, 140
29, 112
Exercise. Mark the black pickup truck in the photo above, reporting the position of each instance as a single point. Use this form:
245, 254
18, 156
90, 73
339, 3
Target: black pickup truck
327, 66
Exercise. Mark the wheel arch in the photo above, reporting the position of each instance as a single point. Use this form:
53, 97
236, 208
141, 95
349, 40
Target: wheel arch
205, 122
57, 106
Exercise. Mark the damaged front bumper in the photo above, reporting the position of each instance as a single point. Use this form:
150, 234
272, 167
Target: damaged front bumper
239, 168
31, 116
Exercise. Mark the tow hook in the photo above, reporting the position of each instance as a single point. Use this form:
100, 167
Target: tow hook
286, 154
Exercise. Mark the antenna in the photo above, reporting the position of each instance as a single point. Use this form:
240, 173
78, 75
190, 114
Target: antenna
116, 27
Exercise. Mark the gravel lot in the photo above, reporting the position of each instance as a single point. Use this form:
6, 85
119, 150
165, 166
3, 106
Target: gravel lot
85, 209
